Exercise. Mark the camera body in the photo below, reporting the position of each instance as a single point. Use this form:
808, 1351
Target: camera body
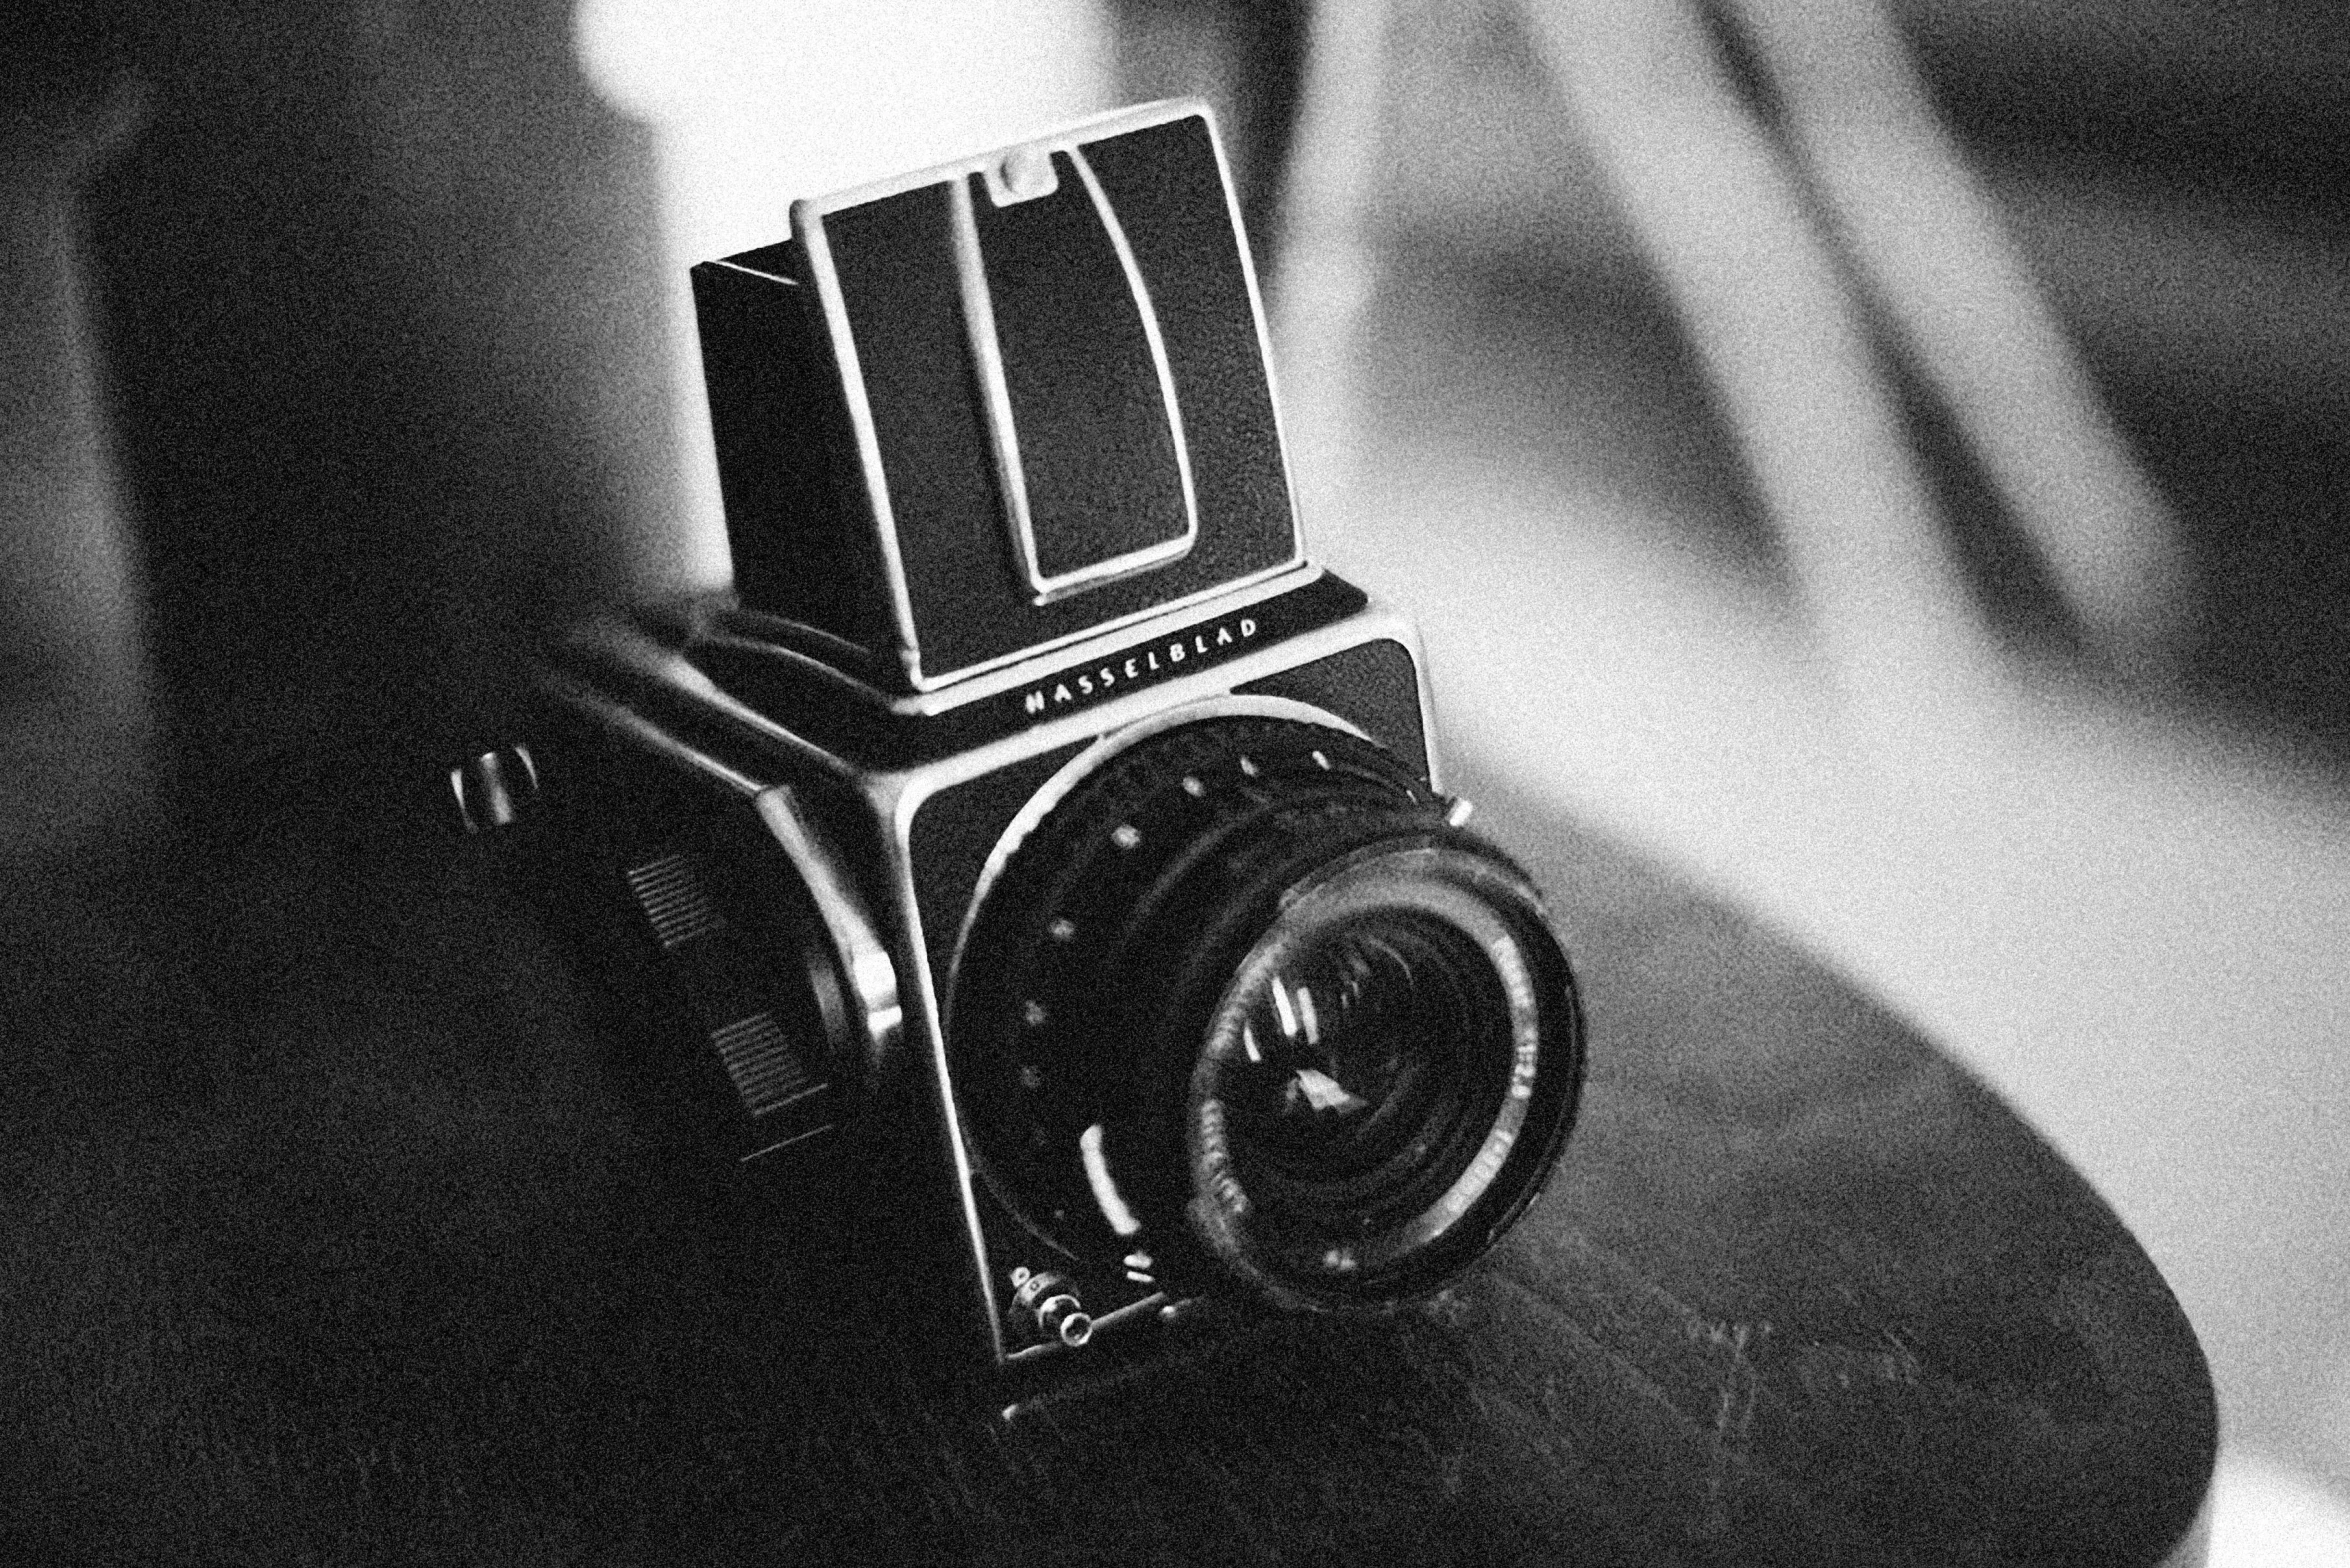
1035, 807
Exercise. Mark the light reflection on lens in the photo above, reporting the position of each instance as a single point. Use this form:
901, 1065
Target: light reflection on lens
1367, 1074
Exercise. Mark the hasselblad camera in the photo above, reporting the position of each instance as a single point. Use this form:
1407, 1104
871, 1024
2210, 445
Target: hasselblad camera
1033, 808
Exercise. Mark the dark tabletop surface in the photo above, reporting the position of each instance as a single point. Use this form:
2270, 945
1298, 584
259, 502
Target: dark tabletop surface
331, 1236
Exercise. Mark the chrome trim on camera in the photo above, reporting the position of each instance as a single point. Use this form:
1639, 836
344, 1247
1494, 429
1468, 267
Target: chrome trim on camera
588, 702
1049, 589
901, 876
990, 165
619, 648
808, 228
731, 264
857, 947
996, 396
744, 632
898, 796
1407, 632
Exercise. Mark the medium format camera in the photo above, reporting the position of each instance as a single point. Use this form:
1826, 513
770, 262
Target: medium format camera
1034, 808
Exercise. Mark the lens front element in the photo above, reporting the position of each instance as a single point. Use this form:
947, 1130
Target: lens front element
1365, 1078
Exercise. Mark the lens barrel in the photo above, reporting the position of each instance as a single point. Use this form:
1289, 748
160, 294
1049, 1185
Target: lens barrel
1244, 999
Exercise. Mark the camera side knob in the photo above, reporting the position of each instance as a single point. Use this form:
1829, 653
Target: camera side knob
495, 788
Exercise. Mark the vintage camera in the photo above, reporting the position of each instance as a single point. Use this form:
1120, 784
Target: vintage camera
1035, 802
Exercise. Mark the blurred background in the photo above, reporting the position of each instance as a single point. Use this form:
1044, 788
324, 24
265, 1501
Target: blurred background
1883, 459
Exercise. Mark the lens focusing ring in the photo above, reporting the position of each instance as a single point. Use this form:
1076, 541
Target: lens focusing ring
1244, 999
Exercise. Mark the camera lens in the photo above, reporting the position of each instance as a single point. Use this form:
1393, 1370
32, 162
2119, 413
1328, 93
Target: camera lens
1242, 999
1337, 1064
1358, 1070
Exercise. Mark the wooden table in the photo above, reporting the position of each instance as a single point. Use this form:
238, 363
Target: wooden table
330, 1238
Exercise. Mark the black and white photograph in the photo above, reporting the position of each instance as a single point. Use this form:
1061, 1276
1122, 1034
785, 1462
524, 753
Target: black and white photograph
1044, 782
